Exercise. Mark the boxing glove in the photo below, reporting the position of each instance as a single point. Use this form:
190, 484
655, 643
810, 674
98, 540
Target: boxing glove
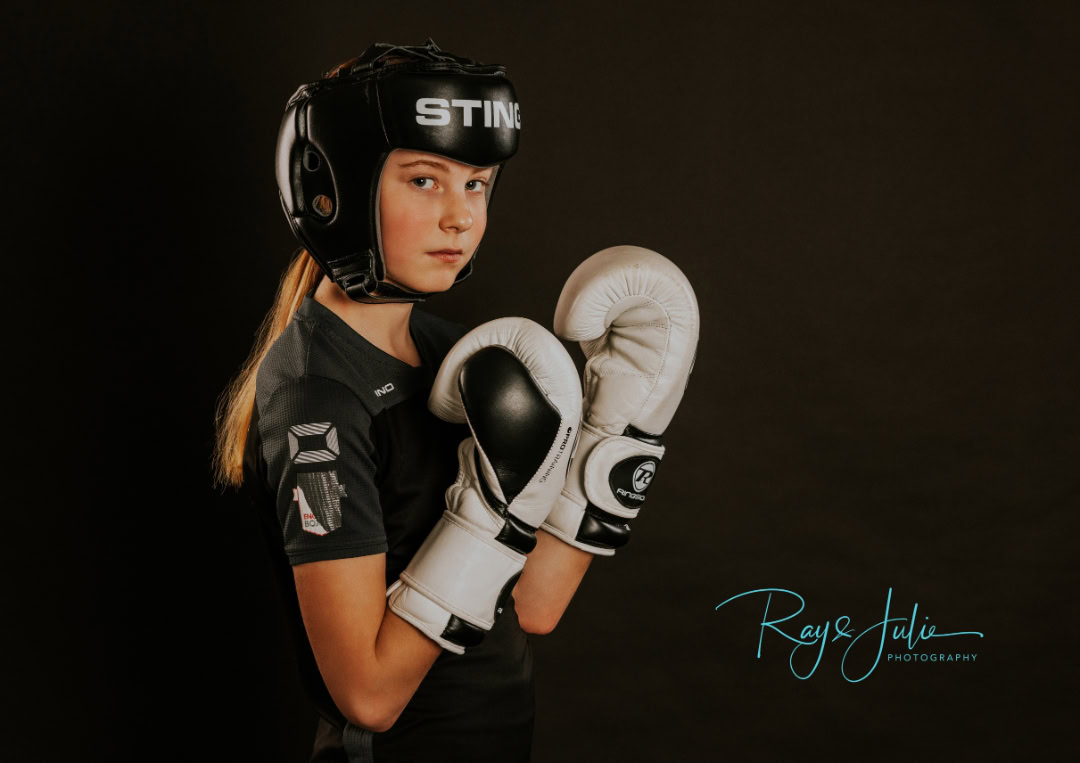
636, 318
518, 390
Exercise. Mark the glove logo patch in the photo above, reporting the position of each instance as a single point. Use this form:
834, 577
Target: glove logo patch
630, 480
643, 475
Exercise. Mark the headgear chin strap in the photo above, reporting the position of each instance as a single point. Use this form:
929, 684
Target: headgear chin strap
337, 133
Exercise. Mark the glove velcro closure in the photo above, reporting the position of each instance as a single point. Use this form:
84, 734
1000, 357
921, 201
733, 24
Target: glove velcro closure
618, 472
567, 522
463, 571
431, 619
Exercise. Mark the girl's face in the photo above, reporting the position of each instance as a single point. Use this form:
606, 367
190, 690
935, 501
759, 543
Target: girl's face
433, 213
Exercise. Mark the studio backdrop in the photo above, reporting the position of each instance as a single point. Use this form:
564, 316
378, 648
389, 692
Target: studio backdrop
861, 542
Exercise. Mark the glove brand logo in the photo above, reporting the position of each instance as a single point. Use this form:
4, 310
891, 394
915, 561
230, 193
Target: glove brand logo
643, 476
816, 636
562, 447
636, 473
384, 389
435, 112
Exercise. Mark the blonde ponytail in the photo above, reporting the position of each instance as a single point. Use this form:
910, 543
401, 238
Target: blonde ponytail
233, 416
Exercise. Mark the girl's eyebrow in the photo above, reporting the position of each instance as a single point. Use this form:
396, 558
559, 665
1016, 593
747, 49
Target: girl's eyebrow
428, 162
438, 165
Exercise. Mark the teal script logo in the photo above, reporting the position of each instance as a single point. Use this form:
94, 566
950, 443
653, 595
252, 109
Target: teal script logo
819, 634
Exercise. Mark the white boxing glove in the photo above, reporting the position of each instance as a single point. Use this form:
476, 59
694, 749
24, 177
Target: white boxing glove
518, 389
636, 318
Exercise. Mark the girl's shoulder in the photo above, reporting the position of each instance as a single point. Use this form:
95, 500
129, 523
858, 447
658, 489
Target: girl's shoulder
309, 355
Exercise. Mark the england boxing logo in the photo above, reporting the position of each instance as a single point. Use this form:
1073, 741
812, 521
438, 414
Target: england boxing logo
318, 496
435, 112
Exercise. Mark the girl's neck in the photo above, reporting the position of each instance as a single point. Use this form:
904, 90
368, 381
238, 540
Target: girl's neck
384, 325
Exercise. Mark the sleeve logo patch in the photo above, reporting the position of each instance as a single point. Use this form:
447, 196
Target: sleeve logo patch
317, 493
312, 443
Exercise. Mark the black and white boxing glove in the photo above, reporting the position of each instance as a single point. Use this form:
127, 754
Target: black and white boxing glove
518, 389
636, 318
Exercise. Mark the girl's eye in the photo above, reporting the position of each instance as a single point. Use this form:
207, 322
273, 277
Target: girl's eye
423, 182
476, 184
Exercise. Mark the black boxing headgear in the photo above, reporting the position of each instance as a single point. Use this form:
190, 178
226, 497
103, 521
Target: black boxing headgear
337, 133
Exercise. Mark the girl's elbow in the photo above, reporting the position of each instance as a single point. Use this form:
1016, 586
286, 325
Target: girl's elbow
371, 713
538, 623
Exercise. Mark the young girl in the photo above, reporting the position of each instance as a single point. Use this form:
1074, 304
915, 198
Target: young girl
385, 167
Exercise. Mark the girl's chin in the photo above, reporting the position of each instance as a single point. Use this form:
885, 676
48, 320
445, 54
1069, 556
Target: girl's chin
429, 282
429, 285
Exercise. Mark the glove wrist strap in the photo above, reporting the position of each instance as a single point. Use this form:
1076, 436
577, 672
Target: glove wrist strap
618, 472
462, 571
602, 496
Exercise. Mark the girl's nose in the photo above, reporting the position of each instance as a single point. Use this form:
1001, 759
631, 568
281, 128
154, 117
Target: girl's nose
457, 216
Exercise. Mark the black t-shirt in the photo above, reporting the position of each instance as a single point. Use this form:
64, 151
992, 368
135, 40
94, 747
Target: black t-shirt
344, 459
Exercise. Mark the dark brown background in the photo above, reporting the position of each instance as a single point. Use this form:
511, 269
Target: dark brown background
872, 201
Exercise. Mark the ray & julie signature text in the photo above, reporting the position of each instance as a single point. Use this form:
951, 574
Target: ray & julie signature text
904, 629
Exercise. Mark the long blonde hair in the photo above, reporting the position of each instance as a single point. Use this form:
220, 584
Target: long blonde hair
233, 415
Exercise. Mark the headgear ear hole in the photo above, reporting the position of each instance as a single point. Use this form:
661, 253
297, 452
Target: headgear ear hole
322, 205
311, 160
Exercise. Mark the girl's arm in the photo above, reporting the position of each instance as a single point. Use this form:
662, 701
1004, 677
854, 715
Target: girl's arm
371, 660
548, 582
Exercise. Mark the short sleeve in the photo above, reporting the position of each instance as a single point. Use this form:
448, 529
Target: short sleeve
320, 460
